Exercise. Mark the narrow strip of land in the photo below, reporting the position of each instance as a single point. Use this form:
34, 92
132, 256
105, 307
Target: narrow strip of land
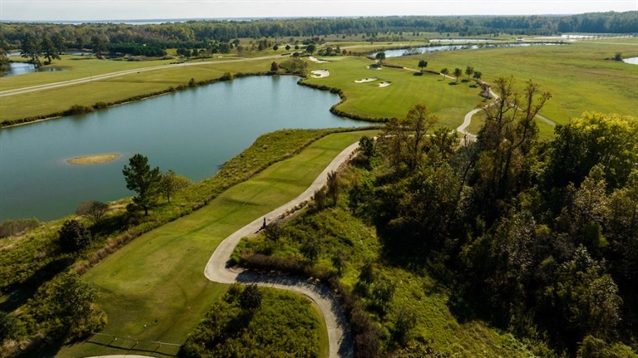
18, 91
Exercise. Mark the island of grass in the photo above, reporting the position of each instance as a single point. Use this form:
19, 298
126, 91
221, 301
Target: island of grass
94, 159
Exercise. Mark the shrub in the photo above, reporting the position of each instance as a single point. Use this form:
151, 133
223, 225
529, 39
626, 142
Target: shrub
77, 109
13, 227
74, 236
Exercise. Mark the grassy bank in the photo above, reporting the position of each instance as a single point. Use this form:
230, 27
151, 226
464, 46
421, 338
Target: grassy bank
154, 289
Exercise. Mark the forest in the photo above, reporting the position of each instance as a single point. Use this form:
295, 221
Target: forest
538, 238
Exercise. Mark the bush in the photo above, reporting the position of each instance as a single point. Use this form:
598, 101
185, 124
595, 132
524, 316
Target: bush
13, 227
74, 236
77, 109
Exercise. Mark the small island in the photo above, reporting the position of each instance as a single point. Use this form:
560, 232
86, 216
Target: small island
94, 159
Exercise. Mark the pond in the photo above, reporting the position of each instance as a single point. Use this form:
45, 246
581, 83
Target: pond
437, 48
22, 68
192, 132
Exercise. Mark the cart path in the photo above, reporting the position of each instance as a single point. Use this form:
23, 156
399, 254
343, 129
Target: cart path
217, 269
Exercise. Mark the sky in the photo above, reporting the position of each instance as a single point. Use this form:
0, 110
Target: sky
91, 10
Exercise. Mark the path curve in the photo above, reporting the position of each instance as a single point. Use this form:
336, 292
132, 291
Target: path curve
47, 86
217, 269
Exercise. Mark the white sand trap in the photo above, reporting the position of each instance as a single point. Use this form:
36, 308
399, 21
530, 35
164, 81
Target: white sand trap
364, 80
316, 60
320, 73
384, 84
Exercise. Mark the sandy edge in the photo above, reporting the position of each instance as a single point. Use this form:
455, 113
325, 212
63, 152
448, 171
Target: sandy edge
94, 159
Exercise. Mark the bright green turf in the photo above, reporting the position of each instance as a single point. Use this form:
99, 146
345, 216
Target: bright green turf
158, 279
449, 102
577, 75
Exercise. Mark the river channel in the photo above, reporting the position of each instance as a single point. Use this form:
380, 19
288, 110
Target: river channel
192, 132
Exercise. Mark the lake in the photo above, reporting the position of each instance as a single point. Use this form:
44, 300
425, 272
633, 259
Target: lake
22, 68
437, 48
192, 132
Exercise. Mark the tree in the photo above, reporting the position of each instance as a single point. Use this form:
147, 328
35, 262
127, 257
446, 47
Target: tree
73, 236
477, 75
274, 67
311, 48
79, 43
339, 263
98, 46
311, 249
445, 71
142, 179
49, 51
250, 298
333, 187
58, 42
93, 210
469, 71
457, 73
170, 183
276, 47
380, 56
31, 49
423, 64
287, 47
407, 137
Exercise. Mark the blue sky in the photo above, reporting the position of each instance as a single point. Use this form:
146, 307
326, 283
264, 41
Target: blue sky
77, 10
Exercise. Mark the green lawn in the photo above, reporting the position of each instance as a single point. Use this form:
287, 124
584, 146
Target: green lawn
577, 75
450, 102
154, 289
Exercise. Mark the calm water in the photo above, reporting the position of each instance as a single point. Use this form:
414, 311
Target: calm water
21, 68
192, 132
428, 49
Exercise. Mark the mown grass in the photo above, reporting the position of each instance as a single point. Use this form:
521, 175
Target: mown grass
110, 90
577, 75
356, 241
443, 97
154, 287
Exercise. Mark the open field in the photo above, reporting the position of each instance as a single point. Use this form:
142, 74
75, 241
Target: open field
577, 75
154, 289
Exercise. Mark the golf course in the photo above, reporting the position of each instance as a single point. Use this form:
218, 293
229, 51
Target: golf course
157, 276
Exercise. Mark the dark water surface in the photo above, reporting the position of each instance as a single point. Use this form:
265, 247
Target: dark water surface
192, 132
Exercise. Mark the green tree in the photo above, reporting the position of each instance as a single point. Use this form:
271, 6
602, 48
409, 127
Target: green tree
423, 64
98, 45
311, 48
380, 56
276, 47
445, 72
469, 71
93, 210
310, 249
170, 183
31, 48
407, 137
58, 43
333, 187
73, 236
457, 73
143, 180
477, 75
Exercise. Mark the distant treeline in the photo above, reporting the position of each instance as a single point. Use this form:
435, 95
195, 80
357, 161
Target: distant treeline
370, 28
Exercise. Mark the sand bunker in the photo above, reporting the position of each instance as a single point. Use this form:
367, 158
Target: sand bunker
320, 73
374, 67
316, 60
94, 159
364, 80
384, 84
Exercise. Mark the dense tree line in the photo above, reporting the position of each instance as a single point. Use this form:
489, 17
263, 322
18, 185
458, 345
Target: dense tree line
372, 28
540, 238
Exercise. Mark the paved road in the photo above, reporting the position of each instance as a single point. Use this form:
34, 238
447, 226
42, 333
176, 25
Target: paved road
47, 86
217, 271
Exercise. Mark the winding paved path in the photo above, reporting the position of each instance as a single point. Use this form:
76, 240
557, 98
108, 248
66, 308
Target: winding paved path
217, 270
